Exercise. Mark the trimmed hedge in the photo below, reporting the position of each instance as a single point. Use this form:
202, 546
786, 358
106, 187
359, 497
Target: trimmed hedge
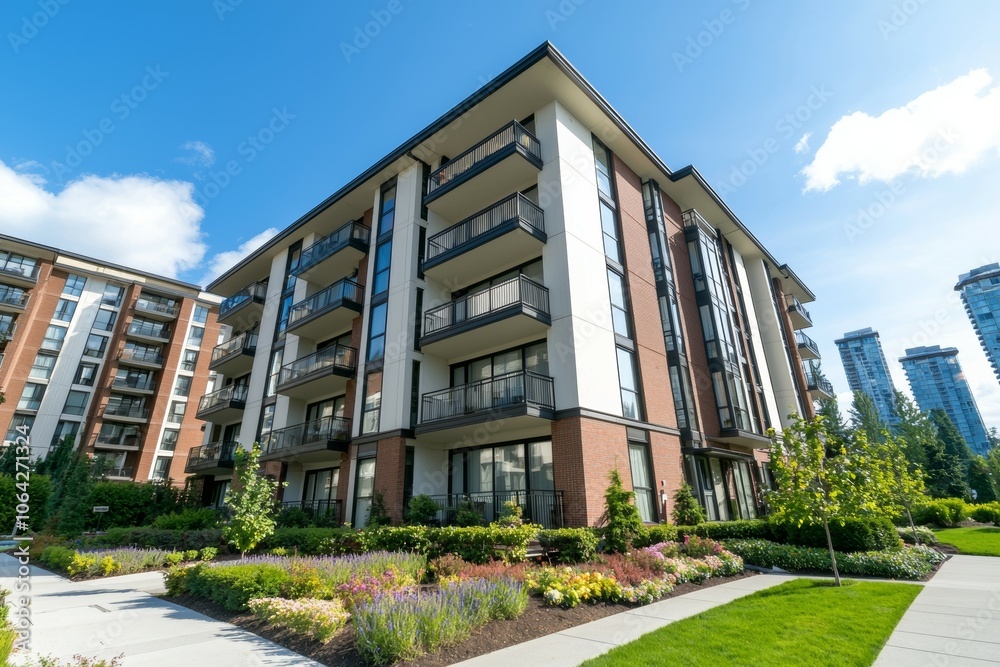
575, 545
154, 538
942, 512
908, 563
986, 513
849, 535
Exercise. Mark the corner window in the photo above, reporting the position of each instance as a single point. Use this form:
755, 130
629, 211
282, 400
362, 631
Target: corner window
183, 386
388, 214
86, 374
189, 360
96, 345
105, 320
161, 468
169, 441
113, 295
176, 413
195, 336
20, 425
383, 257
376, 335
74, 285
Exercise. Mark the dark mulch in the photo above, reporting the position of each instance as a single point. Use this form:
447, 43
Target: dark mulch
537, 621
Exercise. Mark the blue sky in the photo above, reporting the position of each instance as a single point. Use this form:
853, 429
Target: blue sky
858, 139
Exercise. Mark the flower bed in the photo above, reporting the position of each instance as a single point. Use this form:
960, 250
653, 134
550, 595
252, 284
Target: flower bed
113, 562
913, 562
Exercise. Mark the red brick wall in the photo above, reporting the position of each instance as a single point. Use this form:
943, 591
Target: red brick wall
390, 466
668, 466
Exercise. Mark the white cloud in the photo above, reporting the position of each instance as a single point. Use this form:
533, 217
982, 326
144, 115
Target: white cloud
942, 131
137, 221
803, 144
202, 154
223, 261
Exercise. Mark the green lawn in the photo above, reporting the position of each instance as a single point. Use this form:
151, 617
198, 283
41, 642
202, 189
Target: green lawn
800, 622
984, 541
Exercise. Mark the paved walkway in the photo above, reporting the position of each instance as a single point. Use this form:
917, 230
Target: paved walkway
103, 618
955, 621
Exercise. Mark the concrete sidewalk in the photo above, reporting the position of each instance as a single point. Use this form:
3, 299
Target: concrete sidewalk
572, 646
954, 621
103, 618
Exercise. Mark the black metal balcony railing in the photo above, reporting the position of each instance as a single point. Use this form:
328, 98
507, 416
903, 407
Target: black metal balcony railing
125, 410
245, 342
512, 134
340, 291
795, 305
331, 244
328, 512
214, 454
519, 291
803, 340
816, 382
514, 207
234, 393
252, 292
136, 383
334, 357
148, 329
19, 269
13, 296
142, 356
337, 429
159, 307
492, 394
541, 507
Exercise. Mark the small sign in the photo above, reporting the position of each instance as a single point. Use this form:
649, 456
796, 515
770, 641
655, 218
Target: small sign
101, 508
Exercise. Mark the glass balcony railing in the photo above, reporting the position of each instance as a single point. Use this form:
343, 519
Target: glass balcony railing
252, 292
133, 383
126, 410
18, 269
149, 330
164, 308
12, 296
141, 356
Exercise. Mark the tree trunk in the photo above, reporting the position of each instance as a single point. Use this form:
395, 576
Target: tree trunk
833, 556
909, 517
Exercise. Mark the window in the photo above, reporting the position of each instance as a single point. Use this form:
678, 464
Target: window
54, 337
119, 434
642, 484
64, 310
189, 360
619, 309
373, 403
161, 468
376, 335
76, 403
628, 379
491, 475
183, 386
113, 295
105, 320
169, 441
603, 159
31, 397
321, 487
195, 336
383, 257
176, 413
96, 345
86, 374
364, 490
42, 368
610, 229
20, 425
421, 250
266, 426
65, 430
200, 315
388, 215
14, 263
272, 379
74, 285
414, 394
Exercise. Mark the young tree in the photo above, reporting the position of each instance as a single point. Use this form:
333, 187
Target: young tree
982, 481
687, 510
902, 481
834, 420
944, 476
950, 437
621, 516
251, 501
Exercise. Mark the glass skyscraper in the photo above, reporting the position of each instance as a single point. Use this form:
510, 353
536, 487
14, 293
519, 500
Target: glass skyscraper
867, 370
980, 289
937, 381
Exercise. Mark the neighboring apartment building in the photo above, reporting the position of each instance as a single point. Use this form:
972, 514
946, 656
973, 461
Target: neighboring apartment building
514, 302
104, 354
980, 289
867, 370
937, 382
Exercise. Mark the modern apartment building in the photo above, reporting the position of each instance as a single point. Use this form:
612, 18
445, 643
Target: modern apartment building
514, 302
867, 370
980, 289
104, 354
937, 382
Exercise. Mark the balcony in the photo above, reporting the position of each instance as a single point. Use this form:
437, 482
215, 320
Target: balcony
13, 299
117, 473
798, 314
328, 312
141, 358
507, 161
335, 256
7, 334
524, 401
322, 512
512, 312
225, 405
234, 357
216, 458
133, 385
808, 349
247, 305
149, 332
118, 443
323, 373
508, 233
16, 273
125, 412
539, 507
307, 442
819, 387
158, 310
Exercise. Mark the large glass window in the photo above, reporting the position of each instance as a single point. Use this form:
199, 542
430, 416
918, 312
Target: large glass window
42, 368
54, 337
183, 386
603, 158
376, 336
189, 360
105, 320
64, 310
76, 403
619, 307
96, 345
642, 481
609, 227
517, 472
321, 486
383, 258
169, 441
200, 315
20, 425
364, 491
628, 379
74, 285
65, 429
113, 295
161, 468
388, 214
373, 403
86, 374
176, 413
31, 397
195, 336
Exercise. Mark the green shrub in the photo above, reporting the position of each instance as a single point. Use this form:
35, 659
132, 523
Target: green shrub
687, 509
153, 538
907, 563
175, 580
57, 557
188, 519
174, 558
39, 489
943, 512
848, 535
650, 535
378, 513
735, 530
479, 544
208, 553
466, 515
575, 545
132, 504
621, 516
925, 534
305, 541
292, 517
986, 513
422, 510
396, 538
232, 586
